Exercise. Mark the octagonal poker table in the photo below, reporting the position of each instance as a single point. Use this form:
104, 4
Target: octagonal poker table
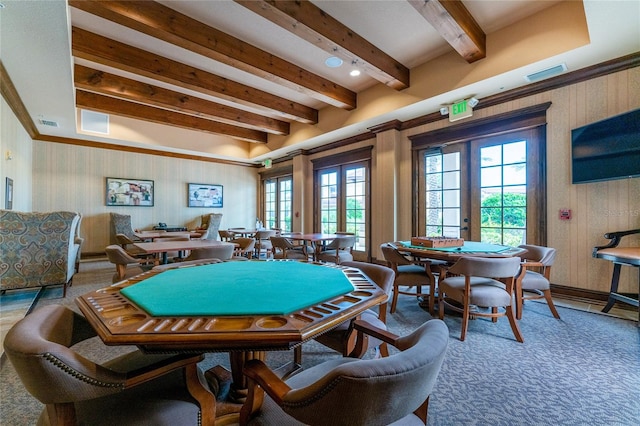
245, 308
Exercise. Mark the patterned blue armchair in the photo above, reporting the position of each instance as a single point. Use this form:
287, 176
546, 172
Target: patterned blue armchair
38, 249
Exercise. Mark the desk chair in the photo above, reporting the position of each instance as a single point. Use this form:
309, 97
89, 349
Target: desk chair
481, 282
351, 391
131, 389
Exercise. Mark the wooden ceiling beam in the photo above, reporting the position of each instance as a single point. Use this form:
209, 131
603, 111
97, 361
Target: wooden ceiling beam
109, 105
105, 51
166, 24
456, 25
311, 23
108, 84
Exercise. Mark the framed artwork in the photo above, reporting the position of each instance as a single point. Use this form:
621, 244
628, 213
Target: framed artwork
8, 194
203, 195
129, 192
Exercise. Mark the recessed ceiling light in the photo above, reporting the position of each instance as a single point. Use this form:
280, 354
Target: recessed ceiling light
354, 73
333, 62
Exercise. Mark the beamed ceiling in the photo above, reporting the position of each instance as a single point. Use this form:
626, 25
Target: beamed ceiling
252, 72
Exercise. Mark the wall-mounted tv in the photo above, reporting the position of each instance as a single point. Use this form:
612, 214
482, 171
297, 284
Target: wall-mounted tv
607, 149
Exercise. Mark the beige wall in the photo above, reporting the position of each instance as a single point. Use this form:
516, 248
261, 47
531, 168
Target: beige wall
14, 139
68, 177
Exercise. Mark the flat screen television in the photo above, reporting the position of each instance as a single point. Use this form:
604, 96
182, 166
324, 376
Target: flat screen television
607, 149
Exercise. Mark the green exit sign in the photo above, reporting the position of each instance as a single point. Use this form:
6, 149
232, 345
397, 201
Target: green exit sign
460, 110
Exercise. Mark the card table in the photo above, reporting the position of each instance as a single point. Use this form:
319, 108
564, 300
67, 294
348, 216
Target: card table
451, 254
244, 308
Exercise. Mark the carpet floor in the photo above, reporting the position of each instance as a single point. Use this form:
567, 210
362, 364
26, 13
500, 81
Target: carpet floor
581, 370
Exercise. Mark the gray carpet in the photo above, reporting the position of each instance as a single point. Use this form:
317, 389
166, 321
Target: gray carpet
581, 370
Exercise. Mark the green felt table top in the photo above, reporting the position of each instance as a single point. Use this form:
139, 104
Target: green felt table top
468, 247
238, 288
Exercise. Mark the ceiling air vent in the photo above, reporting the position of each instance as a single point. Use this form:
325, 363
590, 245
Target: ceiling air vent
48, 123
95, 122
546, 73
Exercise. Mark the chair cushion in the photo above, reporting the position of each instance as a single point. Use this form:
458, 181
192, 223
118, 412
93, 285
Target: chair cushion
484, 291
534, 281
412, 275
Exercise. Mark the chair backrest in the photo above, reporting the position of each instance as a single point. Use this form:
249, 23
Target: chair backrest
38, 346
222, 252
121, 224
118, 256
374, 391
489, 267
211, 222
544, 255
393, 256
245, 245
281, 243
225, 235
265, 234
379, 274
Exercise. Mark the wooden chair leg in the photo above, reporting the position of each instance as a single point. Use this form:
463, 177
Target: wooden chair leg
514, 324
552, 307
394, 302
465, 320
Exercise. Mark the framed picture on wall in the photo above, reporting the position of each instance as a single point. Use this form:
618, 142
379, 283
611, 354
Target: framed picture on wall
204, 195
129, 192
8, 194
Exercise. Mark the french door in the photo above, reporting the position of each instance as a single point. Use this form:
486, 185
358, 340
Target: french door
485, 189
278, 204
343, 201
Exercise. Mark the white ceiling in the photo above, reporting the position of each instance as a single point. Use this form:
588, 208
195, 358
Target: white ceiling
35, 49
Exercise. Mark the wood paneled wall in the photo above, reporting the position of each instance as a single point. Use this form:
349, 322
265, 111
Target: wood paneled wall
68, 177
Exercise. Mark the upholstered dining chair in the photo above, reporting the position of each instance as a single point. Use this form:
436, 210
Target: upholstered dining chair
534, 284
411, 276
263, 242
338, 250
283, 248
245, 247
342, 338
474, 284
129, 389
222, 252
126, 265
352, 391
226, 235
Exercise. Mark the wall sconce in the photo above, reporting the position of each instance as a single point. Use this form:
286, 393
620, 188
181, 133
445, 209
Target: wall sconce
8, 156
